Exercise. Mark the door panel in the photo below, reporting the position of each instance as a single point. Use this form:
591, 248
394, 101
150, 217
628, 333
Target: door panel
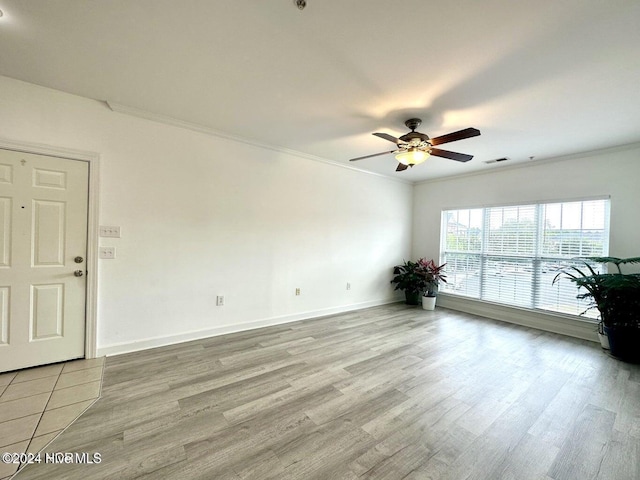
43, 227
5, 231
6, 173
48, 233
49, 178
47, 303
4, 315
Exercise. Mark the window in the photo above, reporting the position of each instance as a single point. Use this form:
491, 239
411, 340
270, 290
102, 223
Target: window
511, 254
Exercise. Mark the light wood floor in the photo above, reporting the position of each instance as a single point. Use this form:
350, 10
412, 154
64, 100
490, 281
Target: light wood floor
390, 392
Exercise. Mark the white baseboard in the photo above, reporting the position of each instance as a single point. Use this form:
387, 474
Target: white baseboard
562, 324
153, 342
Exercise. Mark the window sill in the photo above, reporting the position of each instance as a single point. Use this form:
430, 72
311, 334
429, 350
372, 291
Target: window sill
557, 323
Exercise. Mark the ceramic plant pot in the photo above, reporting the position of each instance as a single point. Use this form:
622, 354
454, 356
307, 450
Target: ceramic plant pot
428, 303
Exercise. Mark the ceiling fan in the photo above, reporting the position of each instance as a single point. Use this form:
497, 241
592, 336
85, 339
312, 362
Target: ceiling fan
415, 147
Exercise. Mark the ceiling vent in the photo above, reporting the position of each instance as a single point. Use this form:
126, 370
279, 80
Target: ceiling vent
496, 160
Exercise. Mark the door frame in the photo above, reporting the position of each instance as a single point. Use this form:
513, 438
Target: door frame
93, 159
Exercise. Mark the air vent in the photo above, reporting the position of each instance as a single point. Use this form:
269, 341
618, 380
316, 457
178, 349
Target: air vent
496, 160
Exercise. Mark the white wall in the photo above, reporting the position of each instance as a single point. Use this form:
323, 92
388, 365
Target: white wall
203, 216
613, 172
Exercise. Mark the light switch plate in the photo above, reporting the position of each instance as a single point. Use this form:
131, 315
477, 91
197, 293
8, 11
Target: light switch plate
106, 231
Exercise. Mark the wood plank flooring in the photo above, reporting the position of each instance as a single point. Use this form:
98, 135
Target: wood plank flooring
391, 392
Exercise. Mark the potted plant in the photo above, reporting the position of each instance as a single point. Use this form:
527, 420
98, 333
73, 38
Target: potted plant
410, 277
616, 296
434, 274
418, 279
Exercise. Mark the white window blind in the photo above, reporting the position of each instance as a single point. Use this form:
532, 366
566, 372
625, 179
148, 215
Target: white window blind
511, 254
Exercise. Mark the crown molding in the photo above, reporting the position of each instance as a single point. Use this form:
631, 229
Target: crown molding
542, 161
167, 120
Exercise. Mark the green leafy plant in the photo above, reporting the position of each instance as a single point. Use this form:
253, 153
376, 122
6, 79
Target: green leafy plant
434, 275
616, 296
409, 277
418, 278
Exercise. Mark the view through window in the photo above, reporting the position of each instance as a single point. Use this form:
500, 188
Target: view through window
511, 254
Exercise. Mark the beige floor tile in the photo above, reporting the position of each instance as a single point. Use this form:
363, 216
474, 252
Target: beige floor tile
38, 443
5, 378
7, 469
75, 394
38, 372
79, 377
23, 407
14, 431
25, 394
60, 418
76, 365
26, 389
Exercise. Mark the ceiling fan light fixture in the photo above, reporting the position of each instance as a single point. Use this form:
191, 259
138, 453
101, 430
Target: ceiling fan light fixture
415, 147
411, 157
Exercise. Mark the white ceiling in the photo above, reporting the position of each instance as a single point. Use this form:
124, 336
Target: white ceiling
538, 78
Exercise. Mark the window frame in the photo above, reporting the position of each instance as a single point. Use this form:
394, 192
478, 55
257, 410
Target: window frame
536, 259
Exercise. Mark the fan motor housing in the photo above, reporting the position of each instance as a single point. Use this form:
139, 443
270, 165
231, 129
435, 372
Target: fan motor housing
412, 124
411, 135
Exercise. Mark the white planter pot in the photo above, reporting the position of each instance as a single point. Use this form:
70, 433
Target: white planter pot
604, 341
429, 303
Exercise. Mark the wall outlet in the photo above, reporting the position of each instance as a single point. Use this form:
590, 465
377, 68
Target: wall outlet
112, 232
220, 301
297, 291
348, 286
107, 253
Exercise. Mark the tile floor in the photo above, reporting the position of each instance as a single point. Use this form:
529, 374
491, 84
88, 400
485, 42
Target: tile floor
36, 404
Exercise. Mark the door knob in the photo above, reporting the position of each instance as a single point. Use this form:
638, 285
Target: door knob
78, 273
78, 259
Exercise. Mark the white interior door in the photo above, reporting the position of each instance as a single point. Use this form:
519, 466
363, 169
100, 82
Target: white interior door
43, 249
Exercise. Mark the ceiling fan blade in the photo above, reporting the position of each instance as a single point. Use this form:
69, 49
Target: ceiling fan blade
401, 167
455, 136
374, 155
460, 157
391, 138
